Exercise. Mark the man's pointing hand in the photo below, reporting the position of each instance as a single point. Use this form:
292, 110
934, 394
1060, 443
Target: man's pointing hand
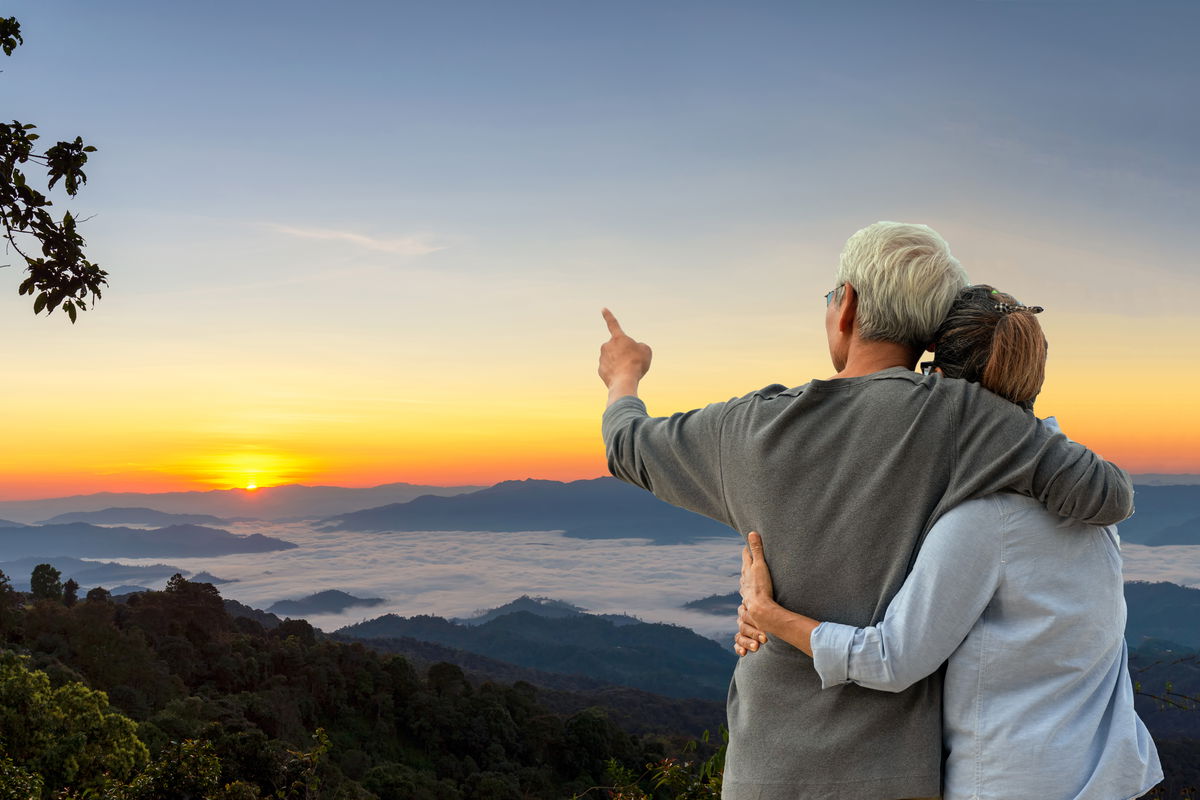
623, 361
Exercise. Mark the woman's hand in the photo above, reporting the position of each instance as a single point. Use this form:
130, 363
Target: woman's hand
757, 596
758, 593
759, 614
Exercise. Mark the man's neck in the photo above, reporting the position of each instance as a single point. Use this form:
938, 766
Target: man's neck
866, 358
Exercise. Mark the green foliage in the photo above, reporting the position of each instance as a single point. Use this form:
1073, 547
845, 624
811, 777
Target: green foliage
61, 275
17, 783
45, 583
693, 780
188, 770
674, 778
67, 735
10, 35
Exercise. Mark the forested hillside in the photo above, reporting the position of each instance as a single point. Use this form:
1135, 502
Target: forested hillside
664, 659
134, 699
197, 698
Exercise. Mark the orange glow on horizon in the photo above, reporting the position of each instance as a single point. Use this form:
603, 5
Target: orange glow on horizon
361, 428
1163, 451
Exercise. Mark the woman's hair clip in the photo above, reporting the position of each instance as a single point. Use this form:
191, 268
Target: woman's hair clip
1008, 308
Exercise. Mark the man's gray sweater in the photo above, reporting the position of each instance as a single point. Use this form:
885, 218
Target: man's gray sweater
843, 478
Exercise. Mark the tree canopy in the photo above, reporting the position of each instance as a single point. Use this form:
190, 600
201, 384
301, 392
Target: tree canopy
46, 582
66, 735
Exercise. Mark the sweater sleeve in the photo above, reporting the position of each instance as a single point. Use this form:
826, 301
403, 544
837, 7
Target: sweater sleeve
678, 458
954, 578
1001, 446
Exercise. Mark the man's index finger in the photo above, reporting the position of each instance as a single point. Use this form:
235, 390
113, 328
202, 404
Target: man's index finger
614, 327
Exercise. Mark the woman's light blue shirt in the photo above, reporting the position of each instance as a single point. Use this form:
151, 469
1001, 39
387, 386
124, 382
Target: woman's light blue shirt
1029, 608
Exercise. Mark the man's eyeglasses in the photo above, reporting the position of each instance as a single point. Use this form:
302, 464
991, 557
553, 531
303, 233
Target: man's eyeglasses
829, 295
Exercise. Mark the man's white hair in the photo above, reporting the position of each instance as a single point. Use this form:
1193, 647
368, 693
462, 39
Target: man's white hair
906, 280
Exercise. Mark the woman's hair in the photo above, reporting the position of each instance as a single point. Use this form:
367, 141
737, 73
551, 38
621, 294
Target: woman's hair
992, 339
905, 278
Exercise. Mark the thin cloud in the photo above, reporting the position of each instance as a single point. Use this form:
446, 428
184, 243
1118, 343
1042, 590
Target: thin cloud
409, 246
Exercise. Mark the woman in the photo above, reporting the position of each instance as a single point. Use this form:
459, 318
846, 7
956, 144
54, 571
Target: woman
1027, 607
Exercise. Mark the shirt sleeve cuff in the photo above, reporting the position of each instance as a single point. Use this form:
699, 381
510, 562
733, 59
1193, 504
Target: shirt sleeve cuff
831, 653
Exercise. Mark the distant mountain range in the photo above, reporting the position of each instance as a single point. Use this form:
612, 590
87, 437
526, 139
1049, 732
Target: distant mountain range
133, 516
602, 508
328, 602
606, 508
1165, 515
1168, 509
272, 502
1162, 611
93, 541
664, 659
1165, 479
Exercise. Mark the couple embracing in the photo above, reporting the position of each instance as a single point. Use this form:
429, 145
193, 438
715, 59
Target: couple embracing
932, 594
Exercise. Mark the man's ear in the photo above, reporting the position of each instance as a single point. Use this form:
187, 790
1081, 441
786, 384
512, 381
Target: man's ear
848, 311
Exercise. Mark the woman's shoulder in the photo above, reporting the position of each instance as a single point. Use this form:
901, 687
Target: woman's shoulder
1008, 509
989, 508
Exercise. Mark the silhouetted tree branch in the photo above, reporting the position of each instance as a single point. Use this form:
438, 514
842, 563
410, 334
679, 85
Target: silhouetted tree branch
61, 275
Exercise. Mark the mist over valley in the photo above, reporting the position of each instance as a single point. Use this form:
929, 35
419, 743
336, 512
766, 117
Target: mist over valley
607, 548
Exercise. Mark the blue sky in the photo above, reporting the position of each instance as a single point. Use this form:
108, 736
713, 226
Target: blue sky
422, 201
504, 122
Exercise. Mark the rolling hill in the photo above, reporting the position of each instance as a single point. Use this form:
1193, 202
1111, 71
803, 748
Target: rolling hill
133, 516
663, 659
330, 601
82, 540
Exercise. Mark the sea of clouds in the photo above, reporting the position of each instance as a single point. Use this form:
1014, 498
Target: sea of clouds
457, 573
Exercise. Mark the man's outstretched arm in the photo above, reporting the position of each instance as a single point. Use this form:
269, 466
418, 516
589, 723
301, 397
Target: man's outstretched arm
1003, 447
678, 458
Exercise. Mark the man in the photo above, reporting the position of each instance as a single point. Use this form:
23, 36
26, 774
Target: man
842, 478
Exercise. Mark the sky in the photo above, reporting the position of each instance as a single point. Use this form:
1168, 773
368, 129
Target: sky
367, 242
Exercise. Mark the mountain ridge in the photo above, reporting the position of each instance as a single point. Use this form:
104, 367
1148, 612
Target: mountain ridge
135, 515
84, 540
597, 508
288, 501
663, 659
